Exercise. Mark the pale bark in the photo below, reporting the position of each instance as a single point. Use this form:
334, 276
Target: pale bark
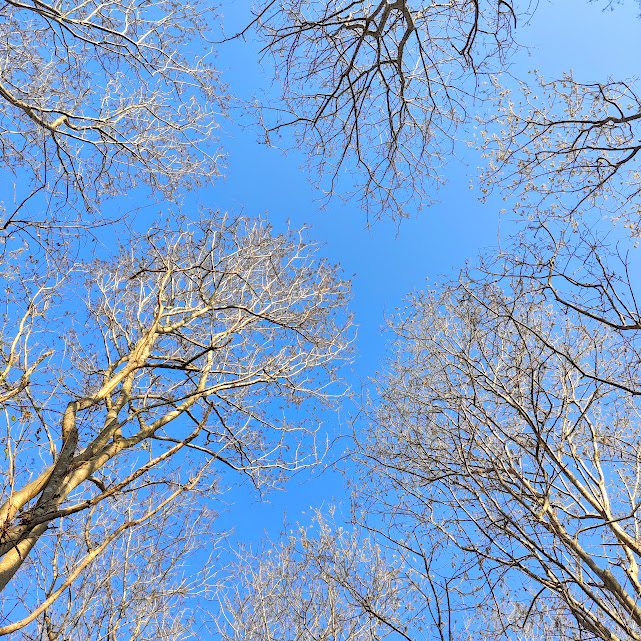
189, 336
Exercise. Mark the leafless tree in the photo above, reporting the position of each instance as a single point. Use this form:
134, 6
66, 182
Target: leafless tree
568, 147
148, 584
499, 480
319, 582
127, 382
98, 97
378, 90
509, 423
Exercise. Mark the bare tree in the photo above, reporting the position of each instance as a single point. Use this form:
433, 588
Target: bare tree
378, 90
568, 147
148, 584
509, 423
319, 582
381, 91
97, 97
499, 480
130, 379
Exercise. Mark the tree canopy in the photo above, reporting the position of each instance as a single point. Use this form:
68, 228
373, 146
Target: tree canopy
493, 463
